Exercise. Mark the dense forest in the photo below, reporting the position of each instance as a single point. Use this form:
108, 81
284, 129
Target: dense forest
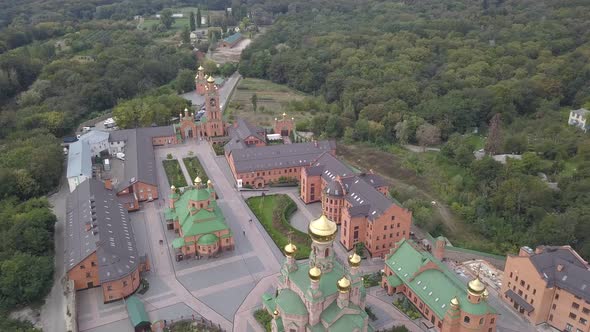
431, 72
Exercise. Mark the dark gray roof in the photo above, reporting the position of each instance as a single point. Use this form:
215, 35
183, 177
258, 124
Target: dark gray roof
244, 130
79, 160
332, 167
233, 144
278, 156
91, 206
574, 275
139, 153
373, 179
359, 192
522, 302
334, 188
581, 111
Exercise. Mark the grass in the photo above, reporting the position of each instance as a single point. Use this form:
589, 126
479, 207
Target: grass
273, 211
264, 318
179, 23
272, 101
174, 173
194, 168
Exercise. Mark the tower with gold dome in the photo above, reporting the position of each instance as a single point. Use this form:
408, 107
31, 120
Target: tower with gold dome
319, 294
438, 294
200, 80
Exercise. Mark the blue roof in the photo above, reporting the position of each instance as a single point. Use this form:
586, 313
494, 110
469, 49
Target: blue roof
233, 38
79, 160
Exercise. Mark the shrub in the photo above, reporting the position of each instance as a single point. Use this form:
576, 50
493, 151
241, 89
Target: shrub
264, 318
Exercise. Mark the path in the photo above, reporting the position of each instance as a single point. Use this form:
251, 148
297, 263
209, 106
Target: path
224, 92
419, 149
187, 176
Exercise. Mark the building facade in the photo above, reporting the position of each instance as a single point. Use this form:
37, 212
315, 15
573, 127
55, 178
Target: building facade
321, 294
79, 164
549, 285
100, 246
199, 222
201, 81
284, 126
231, 41
437, 292
579, 118
204, 125
359, 202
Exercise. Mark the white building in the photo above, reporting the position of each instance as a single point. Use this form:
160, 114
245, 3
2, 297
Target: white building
79, 164
97, 140
579, 118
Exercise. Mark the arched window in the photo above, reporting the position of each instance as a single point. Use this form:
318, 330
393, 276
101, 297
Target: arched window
481, 321
466, 319
327, 253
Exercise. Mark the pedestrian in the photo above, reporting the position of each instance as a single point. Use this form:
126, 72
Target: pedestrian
250, 220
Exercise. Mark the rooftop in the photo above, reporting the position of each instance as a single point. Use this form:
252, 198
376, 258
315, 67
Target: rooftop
95, 136
97, 221
79, 160
244, 129
233, 38
581, 111
278, 156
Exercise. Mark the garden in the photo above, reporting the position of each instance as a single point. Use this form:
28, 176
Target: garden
264, 318
174, 173
405, 306
194, 168
274, 211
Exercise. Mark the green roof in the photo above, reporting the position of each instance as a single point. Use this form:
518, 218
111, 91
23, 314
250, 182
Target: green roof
207, 239
435, 287
169, 214
289, 302
205, 220
394, 280
327, 281
233, 38
178, 243
200, 194
136, 311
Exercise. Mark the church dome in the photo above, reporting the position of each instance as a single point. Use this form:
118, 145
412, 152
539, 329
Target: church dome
173, 188
485, 294
455, 303
290, 249
343, 284
198, 180
201, 68
315, 273
322, 229
211, 79
476, 287
354, 260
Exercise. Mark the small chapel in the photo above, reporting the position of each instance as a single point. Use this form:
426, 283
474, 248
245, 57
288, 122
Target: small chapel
320, 294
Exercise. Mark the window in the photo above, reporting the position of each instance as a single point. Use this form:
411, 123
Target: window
481, 321
124, 283
82, 267
583, 321
93, 263
556, 296
109, 288
88, 275
398, 224
466, 319
575, 305
532, 300
516, 278
522, 282
528, 287
568, 327
510, 274
392, 217
551, 317
385, 227
492, 320
586, 311
390, 235
572, 315
534, 291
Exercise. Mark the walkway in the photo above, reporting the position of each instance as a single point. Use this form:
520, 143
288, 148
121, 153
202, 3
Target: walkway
185, 172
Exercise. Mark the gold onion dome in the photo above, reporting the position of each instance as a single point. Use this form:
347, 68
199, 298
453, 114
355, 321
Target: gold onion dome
198, 179
476, 287
354, 260
315, 273
200, 68
455, 302
343, 284
485, 294
275, 313
290, 249
209, 182
211, 79
172, 187
322, 229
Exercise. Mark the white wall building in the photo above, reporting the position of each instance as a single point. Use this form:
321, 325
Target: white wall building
579, 119
97, 140
79, 164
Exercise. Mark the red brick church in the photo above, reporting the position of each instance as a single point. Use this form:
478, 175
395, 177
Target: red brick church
205, 124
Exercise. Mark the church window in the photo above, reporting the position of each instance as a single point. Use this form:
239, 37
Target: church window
481, 321
327, 252
466, 319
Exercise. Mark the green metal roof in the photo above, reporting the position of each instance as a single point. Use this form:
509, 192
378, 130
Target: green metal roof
435, 287
201, 194
136, 311
169, 214
233, 38
205, 220
178, 243
289, 302
394, 280
327, 281
207, 239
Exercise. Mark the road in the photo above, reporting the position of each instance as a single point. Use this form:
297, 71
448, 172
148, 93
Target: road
53, 311
224, 92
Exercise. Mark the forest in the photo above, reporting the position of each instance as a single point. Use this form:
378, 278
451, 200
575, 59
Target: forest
387, 73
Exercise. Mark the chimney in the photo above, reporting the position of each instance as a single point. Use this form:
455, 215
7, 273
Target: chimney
108, 184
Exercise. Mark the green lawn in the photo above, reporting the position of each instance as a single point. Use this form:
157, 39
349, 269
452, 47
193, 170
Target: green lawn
278, 227
174, 173
194, 168
179, 23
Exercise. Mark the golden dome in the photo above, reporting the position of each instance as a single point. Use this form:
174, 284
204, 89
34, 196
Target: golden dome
200, 68
354, 260
173, 188
290, 249
315, 273
476, 287
322, 229
211, 79
343, 285
485, 294
275, 313
209, 182
455, 302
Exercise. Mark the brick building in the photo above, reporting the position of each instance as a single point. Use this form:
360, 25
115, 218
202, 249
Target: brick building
437, 292
284, 126
100, 246
199, 222
231, 41
201, 81
257, 165
205, 124
139, 181
359, 202
549, 285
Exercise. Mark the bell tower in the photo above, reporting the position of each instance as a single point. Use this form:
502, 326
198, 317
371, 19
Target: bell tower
214, 125
200, 80
322, 232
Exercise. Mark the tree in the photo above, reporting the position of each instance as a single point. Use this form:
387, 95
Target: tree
427, 135
192, 21
199, 17
254, 100
494, 136
184, 81
208, 19
186, 35
166, 18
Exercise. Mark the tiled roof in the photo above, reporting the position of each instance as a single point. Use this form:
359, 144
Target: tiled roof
574, 275
359, 192
581, 111
79, 160
435, 287
290, 303
244, 130
278, 156
97, 221
205, 220
233, 38
95, 136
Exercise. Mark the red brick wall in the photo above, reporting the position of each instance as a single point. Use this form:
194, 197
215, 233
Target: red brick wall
120, 288
84, 272
349, 226
389, 228
164, 140
143, 191
307, 183
332, 207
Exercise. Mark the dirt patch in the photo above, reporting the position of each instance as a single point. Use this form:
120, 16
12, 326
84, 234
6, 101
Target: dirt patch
224, 55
